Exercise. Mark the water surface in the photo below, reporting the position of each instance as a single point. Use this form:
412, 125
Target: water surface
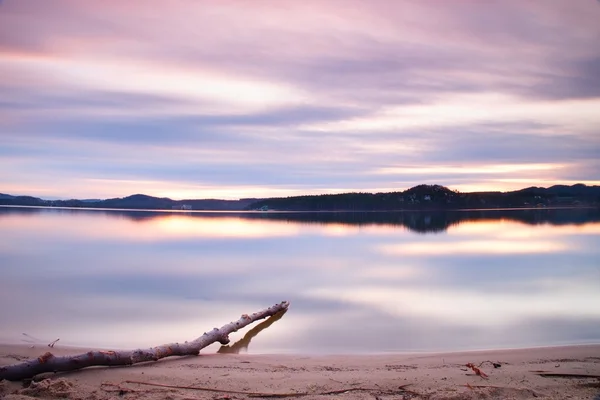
358, 283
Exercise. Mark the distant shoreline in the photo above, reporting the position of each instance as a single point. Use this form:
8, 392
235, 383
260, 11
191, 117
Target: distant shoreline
418, 198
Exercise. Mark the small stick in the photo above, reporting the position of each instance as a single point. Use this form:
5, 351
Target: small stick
473, 387
561, 375
487, 386
31, 338
495, 364
259, 394
51, 344
477, 370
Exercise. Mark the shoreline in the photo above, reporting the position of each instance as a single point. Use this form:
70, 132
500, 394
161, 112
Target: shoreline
431, 375
24, 347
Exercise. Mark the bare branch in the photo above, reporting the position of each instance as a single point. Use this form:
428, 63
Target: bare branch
50, 363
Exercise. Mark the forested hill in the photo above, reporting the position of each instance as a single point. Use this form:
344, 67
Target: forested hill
136, 201
420, 197
437, 197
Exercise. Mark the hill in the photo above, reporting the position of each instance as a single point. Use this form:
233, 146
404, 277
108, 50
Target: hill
421, 197
436, 197
136, 201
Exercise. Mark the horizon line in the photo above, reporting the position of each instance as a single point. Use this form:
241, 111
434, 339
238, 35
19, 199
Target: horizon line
54, 198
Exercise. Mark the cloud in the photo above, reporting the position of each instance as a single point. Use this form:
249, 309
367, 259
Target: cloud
296, 97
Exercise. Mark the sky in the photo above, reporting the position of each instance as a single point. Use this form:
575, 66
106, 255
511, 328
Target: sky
234, 99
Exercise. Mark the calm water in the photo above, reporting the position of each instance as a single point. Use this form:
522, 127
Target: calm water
378, 282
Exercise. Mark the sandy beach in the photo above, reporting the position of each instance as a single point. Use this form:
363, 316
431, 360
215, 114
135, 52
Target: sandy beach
390, 376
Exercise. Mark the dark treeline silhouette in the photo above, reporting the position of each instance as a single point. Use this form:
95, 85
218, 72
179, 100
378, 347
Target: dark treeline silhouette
429, 197
422, 197
136, 201
417, 221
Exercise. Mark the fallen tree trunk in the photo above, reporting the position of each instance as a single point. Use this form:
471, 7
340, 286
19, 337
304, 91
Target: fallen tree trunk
49, 363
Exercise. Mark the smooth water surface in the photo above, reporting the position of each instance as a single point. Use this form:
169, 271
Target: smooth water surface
357, 283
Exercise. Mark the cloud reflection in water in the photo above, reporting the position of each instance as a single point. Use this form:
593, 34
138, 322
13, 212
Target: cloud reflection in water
123, 279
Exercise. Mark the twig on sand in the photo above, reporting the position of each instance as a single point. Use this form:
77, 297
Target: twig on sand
495, 364
488, 387
545, 374
270, 395
477, 370
31, 339
34, 340
530, 391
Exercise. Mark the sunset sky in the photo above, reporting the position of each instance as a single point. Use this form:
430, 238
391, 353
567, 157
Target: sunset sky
230, 99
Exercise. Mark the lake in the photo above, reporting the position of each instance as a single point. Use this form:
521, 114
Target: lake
357, 282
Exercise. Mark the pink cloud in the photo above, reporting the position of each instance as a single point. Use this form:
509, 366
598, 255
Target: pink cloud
394, 66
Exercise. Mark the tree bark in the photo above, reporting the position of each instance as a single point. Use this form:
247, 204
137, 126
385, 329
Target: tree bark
49, 363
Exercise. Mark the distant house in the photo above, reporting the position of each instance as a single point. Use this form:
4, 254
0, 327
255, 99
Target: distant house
182, 207
427, 197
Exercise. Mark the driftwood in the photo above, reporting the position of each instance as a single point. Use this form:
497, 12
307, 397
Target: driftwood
243, 344
50, 363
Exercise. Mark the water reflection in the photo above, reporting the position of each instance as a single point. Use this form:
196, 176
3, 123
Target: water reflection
241, 346
421, 281
337, 223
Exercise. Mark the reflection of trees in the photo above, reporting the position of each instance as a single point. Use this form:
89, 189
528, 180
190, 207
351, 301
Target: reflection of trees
243, 343
439, 221
417, 221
